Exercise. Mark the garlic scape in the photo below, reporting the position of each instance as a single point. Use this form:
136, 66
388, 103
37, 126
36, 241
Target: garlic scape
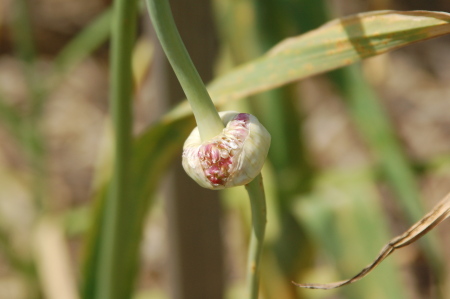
226, 149
232, 158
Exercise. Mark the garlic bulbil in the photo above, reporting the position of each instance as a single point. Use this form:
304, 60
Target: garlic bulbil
233, 158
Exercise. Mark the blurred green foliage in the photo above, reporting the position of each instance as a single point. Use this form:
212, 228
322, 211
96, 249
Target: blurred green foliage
329, 223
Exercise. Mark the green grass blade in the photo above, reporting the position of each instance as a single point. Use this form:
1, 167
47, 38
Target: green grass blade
32, 137
11, 118
82, 45
78, 48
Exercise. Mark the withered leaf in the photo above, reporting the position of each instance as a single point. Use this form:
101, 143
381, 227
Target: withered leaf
439, 213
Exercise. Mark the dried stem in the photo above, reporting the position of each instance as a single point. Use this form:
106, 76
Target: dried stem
439, 213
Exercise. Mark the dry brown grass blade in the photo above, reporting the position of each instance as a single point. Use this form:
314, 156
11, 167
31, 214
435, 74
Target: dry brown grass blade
439, 213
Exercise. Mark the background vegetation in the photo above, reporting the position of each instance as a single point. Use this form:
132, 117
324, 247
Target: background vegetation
357, 156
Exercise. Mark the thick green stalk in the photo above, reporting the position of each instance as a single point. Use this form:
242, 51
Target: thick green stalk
257, 197
206, 116
109, 274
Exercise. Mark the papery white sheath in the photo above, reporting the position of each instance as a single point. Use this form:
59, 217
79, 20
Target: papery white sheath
233, 158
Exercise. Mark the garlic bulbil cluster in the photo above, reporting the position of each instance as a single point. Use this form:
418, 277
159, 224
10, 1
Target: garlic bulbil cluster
233, 158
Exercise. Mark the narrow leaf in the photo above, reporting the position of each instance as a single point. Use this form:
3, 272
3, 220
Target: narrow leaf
11, 118
440, 212
336, 44
82, 45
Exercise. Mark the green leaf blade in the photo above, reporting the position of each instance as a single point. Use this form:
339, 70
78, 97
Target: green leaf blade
336, 44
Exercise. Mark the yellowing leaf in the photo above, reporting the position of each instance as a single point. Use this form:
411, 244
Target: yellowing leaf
336, 44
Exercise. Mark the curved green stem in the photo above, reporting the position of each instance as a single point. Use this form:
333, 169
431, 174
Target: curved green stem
206, 116
255, 191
